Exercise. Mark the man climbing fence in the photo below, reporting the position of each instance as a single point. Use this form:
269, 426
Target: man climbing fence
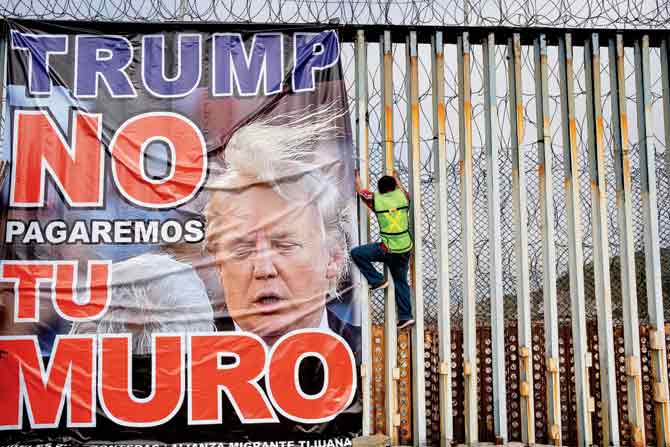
391, 206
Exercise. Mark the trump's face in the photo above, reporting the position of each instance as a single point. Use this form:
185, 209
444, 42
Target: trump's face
275, 266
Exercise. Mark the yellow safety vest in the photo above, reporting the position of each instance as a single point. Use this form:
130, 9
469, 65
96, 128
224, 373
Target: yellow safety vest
392, 210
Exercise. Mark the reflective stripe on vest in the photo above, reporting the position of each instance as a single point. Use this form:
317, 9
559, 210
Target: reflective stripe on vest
392, 210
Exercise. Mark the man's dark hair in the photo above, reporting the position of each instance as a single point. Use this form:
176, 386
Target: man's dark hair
386, 184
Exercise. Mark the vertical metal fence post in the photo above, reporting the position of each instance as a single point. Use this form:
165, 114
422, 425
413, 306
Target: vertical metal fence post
495, 240
631, 325
546, 193
601, 258
582, 358
520, 206
467, 227
363, 221
652, 242
392, 373
183, 5
444, 311
665, 73
665, 70
414, 152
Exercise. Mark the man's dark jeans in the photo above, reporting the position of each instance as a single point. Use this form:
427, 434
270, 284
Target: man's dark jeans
398, 264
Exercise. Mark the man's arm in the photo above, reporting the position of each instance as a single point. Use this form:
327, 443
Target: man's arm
402, 188
366, 195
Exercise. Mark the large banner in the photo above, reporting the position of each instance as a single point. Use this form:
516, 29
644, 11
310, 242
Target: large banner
176, 223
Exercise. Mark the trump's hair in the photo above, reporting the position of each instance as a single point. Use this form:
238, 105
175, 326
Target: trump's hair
285, 153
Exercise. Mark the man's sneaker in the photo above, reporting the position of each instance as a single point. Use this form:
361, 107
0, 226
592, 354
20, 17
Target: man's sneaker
402, 324
380, 286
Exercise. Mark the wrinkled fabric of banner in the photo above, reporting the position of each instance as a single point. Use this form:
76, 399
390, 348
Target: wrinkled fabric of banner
176, 222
